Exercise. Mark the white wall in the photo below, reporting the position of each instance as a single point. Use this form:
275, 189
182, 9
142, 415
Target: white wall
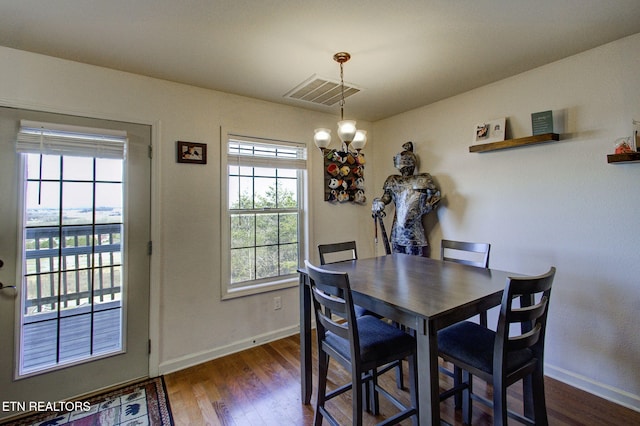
554, 204
189, 321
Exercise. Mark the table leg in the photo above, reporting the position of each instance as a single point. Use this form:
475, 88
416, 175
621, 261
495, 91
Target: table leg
305, 340
428, 385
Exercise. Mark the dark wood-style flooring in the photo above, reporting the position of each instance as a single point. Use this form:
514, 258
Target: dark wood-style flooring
261, 386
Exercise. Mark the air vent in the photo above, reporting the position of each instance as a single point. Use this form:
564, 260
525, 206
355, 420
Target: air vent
319, 90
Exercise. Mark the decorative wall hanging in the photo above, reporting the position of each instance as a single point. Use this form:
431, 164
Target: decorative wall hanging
344, 176
192, 152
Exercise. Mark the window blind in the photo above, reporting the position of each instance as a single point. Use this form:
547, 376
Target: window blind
59, 139
255, 152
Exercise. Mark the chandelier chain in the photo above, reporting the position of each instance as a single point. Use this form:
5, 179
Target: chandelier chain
341, 92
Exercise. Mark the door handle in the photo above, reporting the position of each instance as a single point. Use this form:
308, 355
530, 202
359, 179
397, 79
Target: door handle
2, 286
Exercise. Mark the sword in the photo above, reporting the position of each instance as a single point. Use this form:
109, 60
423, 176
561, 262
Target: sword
377, 217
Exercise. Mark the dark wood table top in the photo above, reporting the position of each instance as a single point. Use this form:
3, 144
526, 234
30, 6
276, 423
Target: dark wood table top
441, 292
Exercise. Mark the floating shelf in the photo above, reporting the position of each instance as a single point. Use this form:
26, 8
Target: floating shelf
512, 143
624, 158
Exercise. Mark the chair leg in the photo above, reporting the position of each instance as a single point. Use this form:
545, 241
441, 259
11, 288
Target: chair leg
467, 402
399, 373
375, 398
457, 381
499, 402
413, 387
323, 368
357, 396
483, 319
528, 398
539, 404
399, 376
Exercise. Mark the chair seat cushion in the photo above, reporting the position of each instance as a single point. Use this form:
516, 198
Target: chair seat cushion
360, 311
378, 340
474, 345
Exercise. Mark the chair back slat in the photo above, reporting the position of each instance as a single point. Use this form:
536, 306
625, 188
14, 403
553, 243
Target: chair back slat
334, 248
524, 340
528, 313
450, 251
328, 306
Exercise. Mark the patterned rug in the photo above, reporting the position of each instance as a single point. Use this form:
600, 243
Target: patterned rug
139, 404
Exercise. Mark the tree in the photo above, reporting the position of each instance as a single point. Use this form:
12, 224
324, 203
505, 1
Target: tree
264, 233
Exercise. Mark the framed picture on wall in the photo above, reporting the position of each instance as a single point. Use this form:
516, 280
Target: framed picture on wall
490, 131
192, 152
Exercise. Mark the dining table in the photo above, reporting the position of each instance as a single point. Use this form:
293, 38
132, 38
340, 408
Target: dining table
422, 294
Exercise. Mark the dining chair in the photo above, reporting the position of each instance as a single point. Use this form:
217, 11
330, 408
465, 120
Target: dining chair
448, 249
337, 252
507, 355
360, 344
347, 250
472, 254
467, 253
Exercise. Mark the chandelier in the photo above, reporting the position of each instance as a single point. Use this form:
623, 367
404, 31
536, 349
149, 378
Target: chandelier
347, 132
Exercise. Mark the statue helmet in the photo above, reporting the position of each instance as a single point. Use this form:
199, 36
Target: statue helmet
406, 157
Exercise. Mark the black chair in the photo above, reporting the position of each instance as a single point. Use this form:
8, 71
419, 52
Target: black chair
507, 355
458, 252
465, 253
347, 250
449, 247
360, 344
340, 252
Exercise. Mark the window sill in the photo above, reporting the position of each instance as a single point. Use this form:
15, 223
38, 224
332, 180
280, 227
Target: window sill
251, 289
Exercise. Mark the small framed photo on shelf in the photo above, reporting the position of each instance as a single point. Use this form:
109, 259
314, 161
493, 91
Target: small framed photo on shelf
192, 152
490, 131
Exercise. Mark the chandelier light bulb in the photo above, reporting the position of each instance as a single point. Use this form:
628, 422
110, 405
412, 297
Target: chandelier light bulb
347, 130
322, 137
360, 140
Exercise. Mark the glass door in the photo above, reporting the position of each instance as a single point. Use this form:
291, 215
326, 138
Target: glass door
74, 242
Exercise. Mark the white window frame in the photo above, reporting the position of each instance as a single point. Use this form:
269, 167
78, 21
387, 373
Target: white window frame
229, 290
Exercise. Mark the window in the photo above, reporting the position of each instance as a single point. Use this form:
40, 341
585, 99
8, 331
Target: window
72, 248
263, 214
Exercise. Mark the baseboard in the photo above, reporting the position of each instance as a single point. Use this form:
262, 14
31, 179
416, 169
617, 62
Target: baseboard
607, 392
190, 360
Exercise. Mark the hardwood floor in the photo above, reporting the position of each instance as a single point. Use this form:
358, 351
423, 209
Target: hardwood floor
261, 386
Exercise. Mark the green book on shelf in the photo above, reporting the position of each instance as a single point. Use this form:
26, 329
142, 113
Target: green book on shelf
542, 122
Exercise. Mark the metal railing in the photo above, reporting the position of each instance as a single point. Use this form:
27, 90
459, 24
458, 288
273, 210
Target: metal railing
72, 266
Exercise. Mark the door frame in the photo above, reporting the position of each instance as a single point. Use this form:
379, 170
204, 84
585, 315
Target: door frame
154, 273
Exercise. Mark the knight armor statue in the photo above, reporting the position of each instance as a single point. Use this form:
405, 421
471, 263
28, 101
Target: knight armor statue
414, 196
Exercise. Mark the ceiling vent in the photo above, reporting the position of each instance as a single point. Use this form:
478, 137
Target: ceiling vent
319, 90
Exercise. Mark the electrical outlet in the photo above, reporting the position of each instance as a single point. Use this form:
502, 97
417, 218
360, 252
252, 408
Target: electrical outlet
277, 303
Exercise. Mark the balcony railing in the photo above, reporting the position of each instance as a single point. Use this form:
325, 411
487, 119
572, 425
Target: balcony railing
84, 261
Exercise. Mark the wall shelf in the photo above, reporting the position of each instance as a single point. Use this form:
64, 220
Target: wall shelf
512, 143
629, 157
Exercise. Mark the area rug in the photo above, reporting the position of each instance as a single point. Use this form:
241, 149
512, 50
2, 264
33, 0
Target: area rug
138, 404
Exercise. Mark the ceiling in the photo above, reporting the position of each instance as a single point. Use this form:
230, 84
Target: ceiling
405, 53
